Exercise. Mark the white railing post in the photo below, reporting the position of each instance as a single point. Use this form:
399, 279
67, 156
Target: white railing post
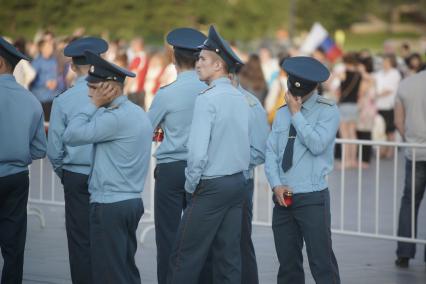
377, 190
413, 194
360, 151
395, 179
342, 190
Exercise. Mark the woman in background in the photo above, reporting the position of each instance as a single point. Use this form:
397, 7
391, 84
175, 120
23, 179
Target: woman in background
366, 107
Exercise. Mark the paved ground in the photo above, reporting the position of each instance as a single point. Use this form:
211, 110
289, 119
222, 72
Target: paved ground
361, 260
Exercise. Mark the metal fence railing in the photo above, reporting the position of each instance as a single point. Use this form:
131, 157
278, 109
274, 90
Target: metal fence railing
364, 202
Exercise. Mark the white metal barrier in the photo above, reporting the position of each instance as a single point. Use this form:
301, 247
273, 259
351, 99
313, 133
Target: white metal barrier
341, 189
46, 189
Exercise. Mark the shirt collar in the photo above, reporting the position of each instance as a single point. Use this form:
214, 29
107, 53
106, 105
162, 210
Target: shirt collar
221, 80
118, 101
310, 102
80, 79
7, 77
187, 74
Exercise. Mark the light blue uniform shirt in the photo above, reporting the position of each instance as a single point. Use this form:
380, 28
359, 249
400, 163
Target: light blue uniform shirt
121, 136
316, 125
22, 137
219, 138
65, 107
172, 110
258, 132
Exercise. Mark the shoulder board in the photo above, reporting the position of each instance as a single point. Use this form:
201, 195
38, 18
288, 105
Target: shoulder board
284, 105
113, 107
62, 92
209, 88
252, 102
326, 101
165, 86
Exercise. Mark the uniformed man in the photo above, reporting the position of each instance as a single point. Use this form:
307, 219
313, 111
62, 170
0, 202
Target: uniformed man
299, 155
120, 132
219, 152
172, 111
22, 141
72, 164
258, 134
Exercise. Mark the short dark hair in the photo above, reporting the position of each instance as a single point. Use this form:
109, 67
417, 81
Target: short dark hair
350, 58
41, 43
391, 58
185, 57
9, 66
368, 63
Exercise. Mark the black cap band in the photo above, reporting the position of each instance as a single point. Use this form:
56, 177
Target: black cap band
12, 60
299, 87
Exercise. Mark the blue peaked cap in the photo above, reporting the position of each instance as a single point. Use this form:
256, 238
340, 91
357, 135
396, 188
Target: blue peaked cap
186, 38
304, 74
76, 49
10, 53
217, 44
102, 70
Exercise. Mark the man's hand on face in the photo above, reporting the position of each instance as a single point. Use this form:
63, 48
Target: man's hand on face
102, 93
294, 102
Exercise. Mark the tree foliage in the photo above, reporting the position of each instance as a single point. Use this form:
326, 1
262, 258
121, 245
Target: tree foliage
236, 19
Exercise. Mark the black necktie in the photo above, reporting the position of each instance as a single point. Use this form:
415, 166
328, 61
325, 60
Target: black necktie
288, 152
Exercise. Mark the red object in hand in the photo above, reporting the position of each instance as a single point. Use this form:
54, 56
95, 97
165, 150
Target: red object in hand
158, 135
288, 198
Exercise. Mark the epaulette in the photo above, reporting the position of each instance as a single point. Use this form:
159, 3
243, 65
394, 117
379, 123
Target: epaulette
209, 88
113, 107
326, 101
284, 105
250, 100
62, 92
162, 87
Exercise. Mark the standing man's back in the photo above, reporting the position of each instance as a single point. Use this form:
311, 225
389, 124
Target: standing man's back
22, 139
172, 111
20, 117
73, 164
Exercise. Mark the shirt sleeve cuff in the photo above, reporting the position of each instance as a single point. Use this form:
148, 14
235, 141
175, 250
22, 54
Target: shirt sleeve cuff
275, 183
190, 188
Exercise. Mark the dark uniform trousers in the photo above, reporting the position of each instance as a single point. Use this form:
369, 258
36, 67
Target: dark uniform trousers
13, 225
77, 208
248, 257
308, 218
404, 227
113, 241
211, 222
169, 202
249, 272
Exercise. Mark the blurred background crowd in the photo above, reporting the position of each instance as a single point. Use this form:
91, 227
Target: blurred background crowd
364, 84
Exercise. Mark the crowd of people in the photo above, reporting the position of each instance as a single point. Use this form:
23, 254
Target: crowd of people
363, 84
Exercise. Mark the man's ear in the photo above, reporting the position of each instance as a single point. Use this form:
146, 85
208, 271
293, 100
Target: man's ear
2, 64
73, 67
217, 65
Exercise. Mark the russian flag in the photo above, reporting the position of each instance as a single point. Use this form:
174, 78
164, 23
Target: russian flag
318, 37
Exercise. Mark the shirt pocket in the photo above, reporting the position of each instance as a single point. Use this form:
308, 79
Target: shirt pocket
281, 138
